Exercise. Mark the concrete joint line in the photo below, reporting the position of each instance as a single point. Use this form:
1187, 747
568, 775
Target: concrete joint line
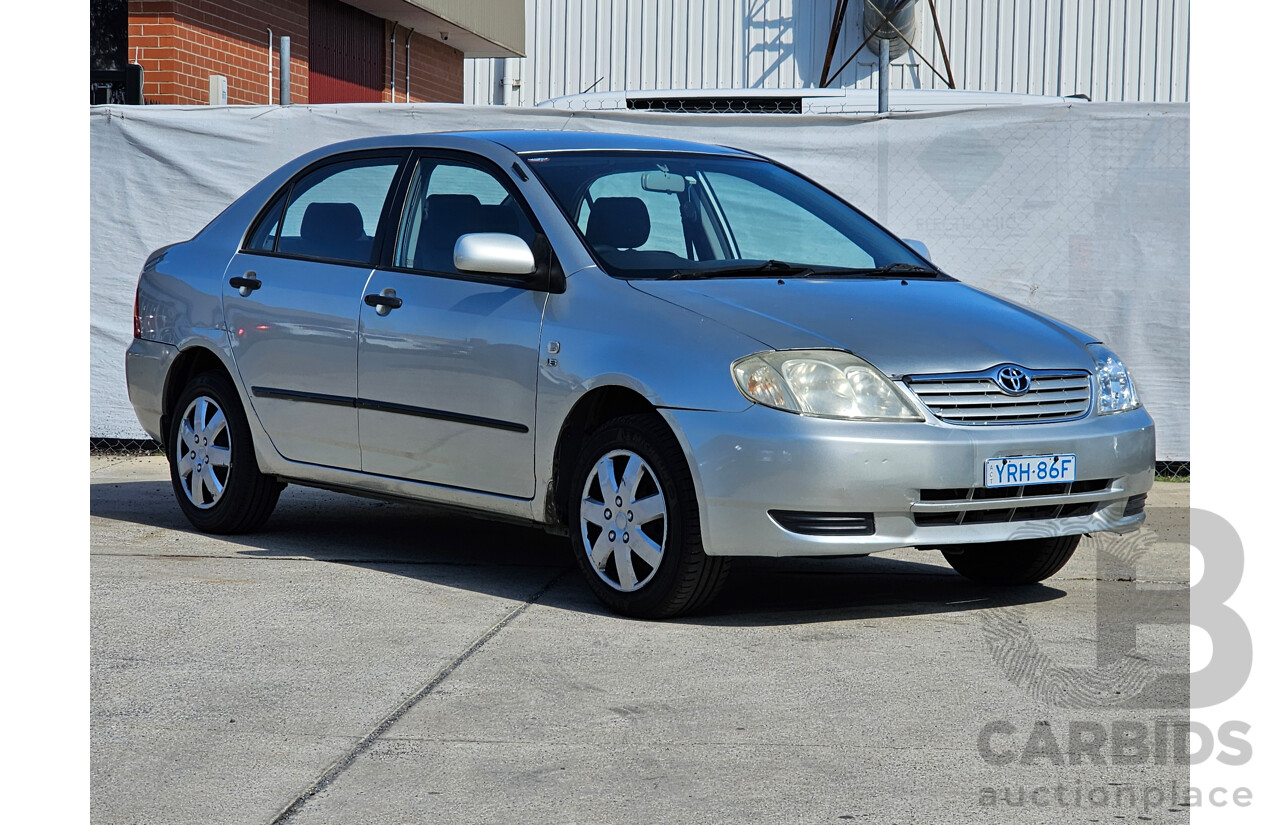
343, 762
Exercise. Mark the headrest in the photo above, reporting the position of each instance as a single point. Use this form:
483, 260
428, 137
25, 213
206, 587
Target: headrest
332, 221
457, 209
462, 214
621, 223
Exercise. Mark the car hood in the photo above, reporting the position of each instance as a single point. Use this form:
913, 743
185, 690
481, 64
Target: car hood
902, 328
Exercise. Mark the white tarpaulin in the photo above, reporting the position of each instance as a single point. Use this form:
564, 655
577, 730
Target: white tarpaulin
1078, 211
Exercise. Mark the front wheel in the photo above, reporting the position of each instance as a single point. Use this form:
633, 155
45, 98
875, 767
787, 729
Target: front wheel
1011, 562
212, 467
635, 526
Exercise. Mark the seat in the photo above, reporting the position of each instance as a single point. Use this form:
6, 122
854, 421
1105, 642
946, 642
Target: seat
618, 223
617, 226
449, 217
446, 218
499, 218
334, 230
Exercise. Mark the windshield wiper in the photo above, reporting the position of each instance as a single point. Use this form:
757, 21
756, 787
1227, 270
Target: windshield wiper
887, 269
765, 270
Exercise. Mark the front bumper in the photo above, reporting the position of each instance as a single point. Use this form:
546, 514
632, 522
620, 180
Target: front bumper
749, 463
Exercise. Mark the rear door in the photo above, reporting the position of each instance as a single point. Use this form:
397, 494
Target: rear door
448, 376
292, 297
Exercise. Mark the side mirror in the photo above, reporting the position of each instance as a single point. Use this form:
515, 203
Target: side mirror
919, 248
493, 253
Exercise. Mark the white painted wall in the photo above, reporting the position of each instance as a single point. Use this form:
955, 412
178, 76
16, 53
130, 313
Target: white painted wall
1115, 50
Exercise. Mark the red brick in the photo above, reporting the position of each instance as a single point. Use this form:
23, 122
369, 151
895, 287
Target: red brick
187, 40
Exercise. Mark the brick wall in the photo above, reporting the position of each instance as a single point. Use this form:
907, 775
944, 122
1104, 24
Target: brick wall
180, 43
435, 69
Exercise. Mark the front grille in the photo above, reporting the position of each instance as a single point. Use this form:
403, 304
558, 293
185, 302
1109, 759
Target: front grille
999, 515
975, 398
1088, 485
952, 506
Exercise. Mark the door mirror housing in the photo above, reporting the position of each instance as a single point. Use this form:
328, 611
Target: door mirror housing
919, 248
493, 253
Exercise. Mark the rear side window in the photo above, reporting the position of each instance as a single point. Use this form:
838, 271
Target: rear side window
333, 212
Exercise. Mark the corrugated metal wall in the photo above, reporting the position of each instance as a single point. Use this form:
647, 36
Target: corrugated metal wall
1133, 50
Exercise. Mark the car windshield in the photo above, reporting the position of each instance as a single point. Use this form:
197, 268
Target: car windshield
674, 215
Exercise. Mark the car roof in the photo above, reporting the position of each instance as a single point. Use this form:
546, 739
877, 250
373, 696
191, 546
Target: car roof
536, 142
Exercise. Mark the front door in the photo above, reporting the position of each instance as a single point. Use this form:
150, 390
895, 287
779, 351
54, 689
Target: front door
292, 298
448, 376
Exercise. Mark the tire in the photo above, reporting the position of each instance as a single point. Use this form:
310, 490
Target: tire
653, 567
1011, 562
212, 466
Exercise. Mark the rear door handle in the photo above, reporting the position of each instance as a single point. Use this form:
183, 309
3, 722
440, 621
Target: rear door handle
384, 302
246, 284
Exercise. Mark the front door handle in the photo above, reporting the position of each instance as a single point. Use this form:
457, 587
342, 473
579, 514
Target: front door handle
246, 284
384, 302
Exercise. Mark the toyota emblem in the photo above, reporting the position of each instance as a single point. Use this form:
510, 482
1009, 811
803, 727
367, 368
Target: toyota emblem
1012, 380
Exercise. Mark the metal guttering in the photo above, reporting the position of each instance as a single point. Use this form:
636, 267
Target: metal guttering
491, 29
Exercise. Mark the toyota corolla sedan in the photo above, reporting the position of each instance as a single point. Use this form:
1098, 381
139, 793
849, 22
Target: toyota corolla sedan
676, 354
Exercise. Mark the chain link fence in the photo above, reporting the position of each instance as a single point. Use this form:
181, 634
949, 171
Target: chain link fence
1173, 471
125, 447
1079, 212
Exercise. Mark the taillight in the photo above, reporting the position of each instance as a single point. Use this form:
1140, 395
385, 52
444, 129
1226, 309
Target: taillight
137, 320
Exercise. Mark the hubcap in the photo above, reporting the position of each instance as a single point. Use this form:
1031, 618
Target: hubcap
204, 444
624, 520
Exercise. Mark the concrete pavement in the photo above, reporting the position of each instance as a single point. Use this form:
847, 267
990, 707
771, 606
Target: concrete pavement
358, 661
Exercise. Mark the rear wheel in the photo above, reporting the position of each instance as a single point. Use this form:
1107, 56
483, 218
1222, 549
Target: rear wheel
211, 462
635, 530
1011, 562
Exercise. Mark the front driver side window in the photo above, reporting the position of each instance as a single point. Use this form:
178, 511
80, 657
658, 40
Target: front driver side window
446, 201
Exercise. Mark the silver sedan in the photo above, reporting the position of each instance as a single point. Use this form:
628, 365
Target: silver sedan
673, 353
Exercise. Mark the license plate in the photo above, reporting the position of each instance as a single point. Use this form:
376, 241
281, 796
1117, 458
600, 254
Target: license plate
1030, 469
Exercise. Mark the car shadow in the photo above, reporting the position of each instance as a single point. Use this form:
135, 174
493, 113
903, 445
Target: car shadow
769, 591
514, 561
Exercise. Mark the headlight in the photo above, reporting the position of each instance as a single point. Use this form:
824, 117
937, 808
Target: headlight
1116, 392
826, 383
